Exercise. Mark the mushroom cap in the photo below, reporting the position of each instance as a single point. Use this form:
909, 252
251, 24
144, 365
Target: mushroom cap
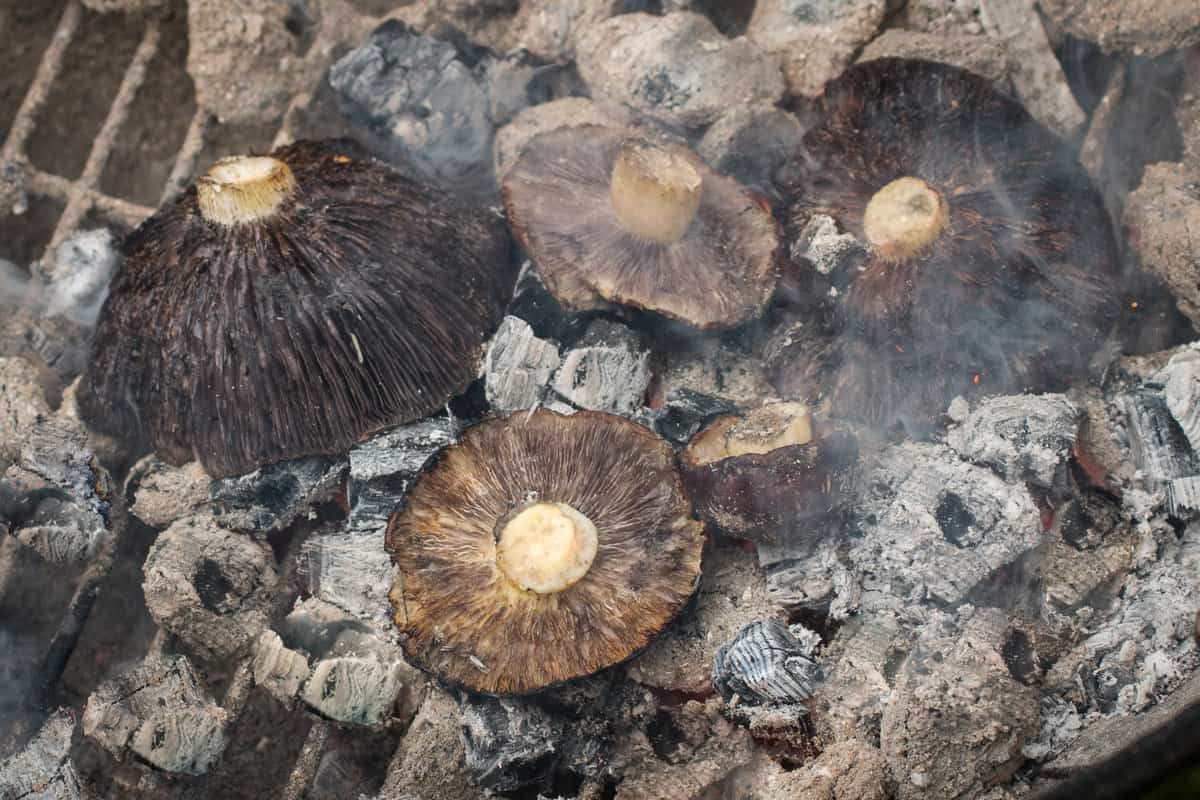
1013, 295
762, 476
463, 620
363, 302
558, 198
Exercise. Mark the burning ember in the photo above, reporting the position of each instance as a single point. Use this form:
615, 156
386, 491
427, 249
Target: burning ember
601, 399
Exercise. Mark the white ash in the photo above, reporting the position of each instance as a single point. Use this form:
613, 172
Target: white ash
824, 247
611, 377
273, 497
753, 145
356, 676
712, 748
958, 721
1159, 447
809, 571
1180, 380
348, 566
731, 595
1061, 724
516, 81
209, 586
509, 743
1021, 437
431, 759
719, 368
14, 199
357, 690
677, 68
76, 279
766, 664
58, 451
857, 667
549, 28
278, 669
23, 406
1037, 74
814, 40
158, 712
518, 366
43, 769
939, 526
565, 112
945, 17
61, 493
1143, 648
162, 493
982, 55
1147, 28
245, 58
849, 769
429, 106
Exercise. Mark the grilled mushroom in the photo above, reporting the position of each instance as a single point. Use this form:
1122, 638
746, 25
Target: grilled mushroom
764, 474
542, 548
288, 305
991, 266
609, 216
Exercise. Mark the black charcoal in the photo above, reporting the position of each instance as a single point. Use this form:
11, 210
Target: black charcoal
607, 377
684, 412
509, 743
273, 497
1160, 447
348, 566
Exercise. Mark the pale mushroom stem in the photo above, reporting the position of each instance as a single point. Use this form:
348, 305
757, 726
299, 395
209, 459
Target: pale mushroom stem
655, 190
904, 218
244, 189
546, 547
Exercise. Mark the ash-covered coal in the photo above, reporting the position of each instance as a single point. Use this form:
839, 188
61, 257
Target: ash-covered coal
44, 769
158, 712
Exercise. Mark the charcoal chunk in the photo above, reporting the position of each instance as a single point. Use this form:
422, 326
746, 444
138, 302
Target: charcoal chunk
274, 496
766, 664
518, 366
509, 743
423, 101
158, 712
1022, 438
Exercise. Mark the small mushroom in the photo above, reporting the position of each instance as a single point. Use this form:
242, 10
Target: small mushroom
542, 548
991, 265
607, 215
291, 304
764, 474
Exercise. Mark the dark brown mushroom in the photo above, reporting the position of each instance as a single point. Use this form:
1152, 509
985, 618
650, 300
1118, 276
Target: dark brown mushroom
991, 265
609, 216
542, 548
765, 475
289, 305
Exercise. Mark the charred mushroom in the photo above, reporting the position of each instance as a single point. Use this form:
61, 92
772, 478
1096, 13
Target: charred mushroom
763, 474
609, 216
991, 266
542, 548
289, 305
